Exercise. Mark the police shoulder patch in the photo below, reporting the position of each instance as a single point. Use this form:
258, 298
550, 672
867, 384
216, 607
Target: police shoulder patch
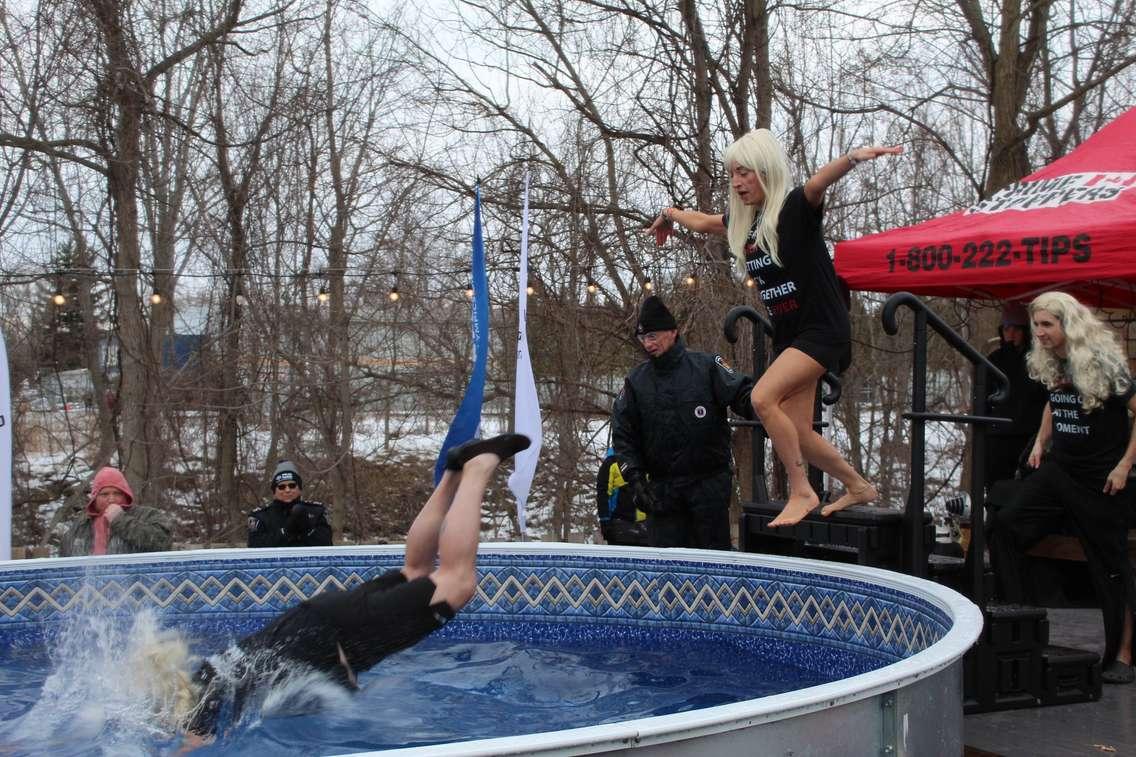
254, 523
721, 361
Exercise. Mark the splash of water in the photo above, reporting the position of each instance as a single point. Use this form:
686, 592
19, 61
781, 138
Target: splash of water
96, 694
121, 685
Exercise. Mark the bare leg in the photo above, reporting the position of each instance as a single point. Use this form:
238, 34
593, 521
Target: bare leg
422, 539
819, 451
456, 577
793, 371
861, 495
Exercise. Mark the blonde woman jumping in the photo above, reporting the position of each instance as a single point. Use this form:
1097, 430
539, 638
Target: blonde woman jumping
775, 234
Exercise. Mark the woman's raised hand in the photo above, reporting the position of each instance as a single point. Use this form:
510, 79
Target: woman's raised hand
860, 154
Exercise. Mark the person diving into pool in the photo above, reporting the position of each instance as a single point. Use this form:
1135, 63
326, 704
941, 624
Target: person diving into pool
340, 634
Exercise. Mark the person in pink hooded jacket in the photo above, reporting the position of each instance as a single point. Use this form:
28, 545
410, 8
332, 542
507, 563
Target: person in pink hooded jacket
111, 524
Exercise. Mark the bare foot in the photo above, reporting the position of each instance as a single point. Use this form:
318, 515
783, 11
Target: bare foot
860, 496
798, 506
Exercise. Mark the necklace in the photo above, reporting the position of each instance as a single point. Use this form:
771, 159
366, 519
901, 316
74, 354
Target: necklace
751, 237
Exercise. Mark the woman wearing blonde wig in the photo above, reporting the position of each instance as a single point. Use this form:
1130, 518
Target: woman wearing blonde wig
775, 234
1083, 478
337, 635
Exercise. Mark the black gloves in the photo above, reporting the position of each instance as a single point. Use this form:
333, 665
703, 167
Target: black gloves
639, 489
301, 519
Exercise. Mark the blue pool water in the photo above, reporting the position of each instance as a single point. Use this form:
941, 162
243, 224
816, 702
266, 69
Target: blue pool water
449, 687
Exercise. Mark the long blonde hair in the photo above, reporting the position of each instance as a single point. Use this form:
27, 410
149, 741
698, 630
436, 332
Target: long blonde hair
161, 664
1097, 365
760, 152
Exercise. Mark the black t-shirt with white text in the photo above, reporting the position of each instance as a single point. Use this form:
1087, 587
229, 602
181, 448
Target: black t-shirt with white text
1088, 445
803, 298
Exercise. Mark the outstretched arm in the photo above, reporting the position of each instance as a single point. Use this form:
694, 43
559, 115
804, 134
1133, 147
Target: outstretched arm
832, 172
703, 223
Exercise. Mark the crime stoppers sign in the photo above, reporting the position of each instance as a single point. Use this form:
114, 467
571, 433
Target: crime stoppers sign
1070, 225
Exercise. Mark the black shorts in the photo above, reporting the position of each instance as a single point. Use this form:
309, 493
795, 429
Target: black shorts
834, 353
375, 619
375, 623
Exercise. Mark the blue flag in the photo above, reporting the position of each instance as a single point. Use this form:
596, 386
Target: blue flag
468, 418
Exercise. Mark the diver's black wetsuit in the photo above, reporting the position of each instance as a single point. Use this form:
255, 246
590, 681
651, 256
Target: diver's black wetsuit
339, 633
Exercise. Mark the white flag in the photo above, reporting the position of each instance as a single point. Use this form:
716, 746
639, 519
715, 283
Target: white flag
526, 407
5, 456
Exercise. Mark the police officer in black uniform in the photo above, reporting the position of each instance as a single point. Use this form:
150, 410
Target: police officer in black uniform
289, 521
670, 433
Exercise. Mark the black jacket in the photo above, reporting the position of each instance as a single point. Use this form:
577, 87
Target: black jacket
1027, 397
670, 418
272, 526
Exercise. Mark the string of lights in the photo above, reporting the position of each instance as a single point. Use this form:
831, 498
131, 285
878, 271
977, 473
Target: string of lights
323, 295
59, 299
31, 277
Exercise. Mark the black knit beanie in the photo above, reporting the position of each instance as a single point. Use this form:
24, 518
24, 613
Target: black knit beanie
654, 316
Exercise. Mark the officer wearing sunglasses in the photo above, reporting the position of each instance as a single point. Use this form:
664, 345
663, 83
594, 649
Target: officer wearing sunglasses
288, 520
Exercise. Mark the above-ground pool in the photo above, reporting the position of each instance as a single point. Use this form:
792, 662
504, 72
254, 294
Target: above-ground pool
565, 649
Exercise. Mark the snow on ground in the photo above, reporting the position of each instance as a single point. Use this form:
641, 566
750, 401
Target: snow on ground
57, 448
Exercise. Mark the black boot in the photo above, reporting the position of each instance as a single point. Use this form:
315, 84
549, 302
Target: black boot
504, 446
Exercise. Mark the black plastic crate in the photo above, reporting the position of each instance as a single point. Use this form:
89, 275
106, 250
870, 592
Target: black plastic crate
1069, 675
1001, 679
1016, 627
860, 534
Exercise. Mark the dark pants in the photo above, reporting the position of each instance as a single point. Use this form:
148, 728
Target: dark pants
1042, 504
691, 512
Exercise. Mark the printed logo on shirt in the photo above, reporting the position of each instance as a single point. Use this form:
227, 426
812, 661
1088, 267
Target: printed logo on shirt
1066, 408
777, 291
700, 412
755, 265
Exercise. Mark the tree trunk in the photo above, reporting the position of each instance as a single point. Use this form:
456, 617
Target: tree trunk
128, 93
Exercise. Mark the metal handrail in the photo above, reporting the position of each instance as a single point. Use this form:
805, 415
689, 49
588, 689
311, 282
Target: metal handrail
914, 558
953, 338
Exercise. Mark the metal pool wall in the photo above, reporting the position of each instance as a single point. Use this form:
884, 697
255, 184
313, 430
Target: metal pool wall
897, 640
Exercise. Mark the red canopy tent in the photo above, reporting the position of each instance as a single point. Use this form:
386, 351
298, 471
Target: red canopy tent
1069, 226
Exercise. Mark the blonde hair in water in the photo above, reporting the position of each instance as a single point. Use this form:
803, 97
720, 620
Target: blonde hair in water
161, 666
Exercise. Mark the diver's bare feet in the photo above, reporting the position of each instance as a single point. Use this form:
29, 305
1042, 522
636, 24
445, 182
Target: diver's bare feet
861, 495
794, 511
